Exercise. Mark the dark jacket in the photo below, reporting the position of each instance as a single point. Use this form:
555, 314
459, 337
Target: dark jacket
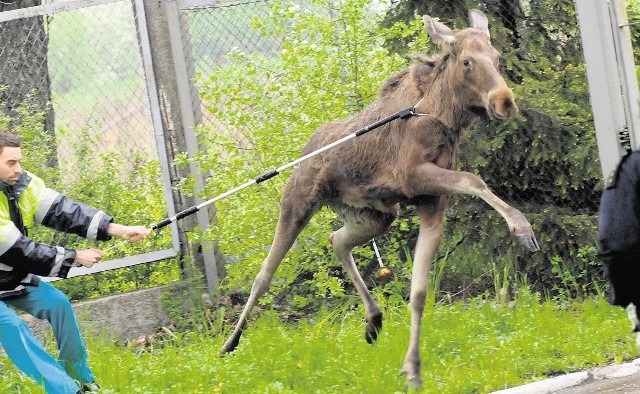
22, 259
619, 218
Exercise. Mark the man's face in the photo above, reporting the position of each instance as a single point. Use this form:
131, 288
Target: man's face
10, 168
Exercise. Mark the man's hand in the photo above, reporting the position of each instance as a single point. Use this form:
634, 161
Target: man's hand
88, 257
130, 233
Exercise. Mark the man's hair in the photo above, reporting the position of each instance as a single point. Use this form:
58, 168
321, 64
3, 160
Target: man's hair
8, 139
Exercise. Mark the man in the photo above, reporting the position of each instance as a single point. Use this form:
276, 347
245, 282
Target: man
619, 236
24, 200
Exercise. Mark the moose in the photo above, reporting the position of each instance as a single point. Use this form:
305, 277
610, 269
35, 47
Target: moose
411, 161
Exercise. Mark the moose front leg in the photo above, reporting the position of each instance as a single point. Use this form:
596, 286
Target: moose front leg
431, 224
430, 179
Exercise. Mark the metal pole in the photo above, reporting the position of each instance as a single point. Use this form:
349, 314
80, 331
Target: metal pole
627, 70
405, 113
169, 53
613, 86
154, 107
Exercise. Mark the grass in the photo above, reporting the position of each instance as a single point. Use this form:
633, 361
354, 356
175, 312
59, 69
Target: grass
475, 347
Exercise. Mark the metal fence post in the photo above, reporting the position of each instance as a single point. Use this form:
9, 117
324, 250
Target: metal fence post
627, 69
191, 116
613, 86
179, 118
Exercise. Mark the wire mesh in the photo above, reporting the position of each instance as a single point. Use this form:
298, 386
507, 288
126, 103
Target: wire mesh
97, 81
218, 29
81, 67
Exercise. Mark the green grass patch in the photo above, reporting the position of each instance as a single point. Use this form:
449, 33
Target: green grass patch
474, 347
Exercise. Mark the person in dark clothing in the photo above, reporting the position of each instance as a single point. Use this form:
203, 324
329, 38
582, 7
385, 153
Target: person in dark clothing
619, 236
25, 200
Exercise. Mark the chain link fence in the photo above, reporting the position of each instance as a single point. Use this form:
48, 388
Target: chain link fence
72, 84
89, 60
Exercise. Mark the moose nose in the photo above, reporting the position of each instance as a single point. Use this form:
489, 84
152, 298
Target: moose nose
502, 104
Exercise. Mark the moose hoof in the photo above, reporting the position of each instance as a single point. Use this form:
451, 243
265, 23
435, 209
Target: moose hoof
230, 345
529, 242
374, 326
413, 380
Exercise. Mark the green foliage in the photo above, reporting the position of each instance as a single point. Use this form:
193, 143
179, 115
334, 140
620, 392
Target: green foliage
478, 255
475, 347
572, 283
633, 15
544, 161
27, 123
128, 188
331, 64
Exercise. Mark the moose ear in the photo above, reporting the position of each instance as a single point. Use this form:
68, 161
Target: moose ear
479, 21
439, 33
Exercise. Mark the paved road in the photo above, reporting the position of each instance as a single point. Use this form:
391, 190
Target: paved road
613, 379
621, 385
618, 379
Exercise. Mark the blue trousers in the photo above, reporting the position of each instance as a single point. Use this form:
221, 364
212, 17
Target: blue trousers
44, 301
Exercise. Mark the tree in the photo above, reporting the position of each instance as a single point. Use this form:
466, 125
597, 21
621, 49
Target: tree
545, 160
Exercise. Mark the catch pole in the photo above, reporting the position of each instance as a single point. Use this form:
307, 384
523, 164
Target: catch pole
404, 114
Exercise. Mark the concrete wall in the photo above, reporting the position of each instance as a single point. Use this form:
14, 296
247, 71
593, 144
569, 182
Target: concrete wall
124, 316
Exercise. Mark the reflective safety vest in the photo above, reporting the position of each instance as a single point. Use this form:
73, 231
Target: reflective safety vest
21, 258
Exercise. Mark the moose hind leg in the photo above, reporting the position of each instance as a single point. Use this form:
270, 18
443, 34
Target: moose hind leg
292, 220
361, 225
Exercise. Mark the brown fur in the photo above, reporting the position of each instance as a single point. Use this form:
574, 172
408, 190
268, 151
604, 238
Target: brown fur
407, 161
